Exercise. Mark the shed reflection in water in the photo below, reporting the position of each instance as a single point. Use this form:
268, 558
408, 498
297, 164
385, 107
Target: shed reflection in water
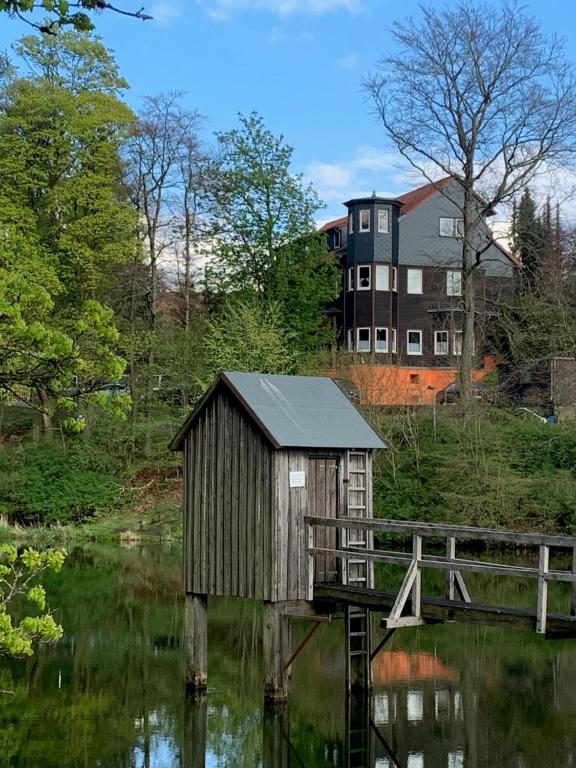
110, 695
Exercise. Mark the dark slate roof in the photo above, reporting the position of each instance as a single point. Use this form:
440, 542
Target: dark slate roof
295, 411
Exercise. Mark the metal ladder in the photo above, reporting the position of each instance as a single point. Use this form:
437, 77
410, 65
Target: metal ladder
357, 573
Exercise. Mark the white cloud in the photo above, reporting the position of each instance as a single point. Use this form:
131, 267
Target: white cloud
166, 12
368, 169
349, 62
222, 10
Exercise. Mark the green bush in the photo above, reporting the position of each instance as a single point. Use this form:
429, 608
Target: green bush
495, 468
44, 483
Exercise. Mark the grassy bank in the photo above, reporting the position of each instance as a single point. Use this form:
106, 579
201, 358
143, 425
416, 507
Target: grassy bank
494, 467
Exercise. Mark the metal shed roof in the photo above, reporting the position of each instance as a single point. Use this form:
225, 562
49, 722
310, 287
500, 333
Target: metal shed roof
295, 411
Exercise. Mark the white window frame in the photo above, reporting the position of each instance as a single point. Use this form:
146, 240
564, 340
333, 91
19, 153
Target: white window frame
369, 349
383, 221
437, 344
411, 272
450, 291
384, 349
350, 223
350, 339
362, 213
359, 286
350, 286
393, 340
408, 332
395, 279
443, 229
457, 339
337, 238
454, 229
382, 277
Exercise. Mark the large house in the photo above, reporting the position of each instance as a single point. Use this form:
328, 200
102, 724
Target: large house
402, 282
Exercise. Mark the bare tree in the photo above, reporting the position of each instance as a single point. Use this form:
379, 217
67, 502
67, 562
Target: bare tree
163, 142
479, 93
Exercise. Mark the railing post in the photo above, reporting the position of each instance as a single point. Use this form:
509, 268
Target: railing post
450, 575
573, 593
310, 562
543, 563
417, 587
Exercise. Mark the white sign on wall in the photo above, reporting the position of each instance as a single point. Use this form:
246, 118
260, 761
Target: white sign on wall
297, 479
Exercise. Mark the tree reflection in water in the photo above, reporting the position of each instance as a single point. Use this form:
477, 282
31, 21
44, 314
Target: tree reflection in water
110, 694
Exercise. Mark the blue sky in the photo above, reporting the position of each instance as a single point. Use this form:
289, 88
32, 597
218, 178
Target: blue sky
298, 62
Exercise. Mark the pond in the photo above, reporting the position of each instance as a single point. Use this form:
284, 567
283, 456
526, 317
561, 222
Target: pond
111, 693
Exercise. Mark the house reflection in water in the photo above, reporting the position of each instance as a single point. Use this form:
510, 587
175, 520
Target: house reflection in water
417, 713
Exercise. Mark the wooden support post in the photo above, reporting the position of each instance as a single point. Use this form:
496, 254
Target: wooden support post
417, 586
573, 594
194, 747
196, 641
450, 575
277, 650
276, 751
542, 610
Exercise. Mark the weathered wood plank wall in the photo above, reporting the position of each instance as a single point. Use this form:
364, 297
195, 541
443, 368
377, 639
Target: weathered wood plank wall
229, 525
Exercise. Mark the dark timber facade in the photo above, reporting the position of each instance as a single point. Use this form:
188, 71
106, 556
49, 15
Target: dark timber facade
401, 277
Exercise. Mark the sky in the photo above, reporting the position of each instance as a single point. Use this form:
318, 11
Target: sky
299, 63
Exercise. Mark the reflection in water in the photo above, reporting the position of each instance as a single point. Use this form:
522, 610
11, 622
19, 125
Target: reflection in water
110, 695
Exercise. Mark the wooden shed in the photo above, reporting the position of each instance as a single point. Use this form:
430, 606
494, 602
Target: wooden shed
261, 452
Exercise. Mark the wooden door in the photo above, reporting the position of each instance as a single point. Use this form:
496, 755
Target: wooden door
323, 502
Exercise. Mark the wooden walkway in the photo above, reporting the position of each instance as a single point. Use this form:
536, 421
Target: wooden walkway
408, 607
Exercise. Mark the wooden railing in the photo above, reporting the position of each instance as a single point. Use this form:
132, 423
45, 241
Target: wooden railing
454, 566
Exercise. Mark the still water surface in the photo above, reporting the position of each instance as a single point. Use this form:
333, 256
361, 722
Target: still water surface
110, 694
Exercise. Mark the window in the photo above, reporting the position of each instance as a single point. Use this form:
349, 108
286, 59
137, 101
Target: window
350, 340
383, 221
382, 277
457, 343
414, 281
440, 342
394, 340
414, 342
381, 344
394, 278
350, 278
450, 227
351, 224
364, 221
337, 241
454, 282
363, 340
364, 281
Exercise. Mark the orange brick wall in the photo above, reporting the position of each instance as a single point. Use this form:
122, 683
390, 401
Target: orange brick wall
401, 385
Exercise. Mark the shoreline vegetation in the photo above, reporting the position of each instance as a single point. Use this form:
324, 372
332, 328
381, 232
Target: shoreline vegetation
496, 467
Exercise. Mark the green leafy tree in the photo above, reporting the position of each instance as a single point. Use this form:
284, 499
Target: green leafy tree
267, 240
63, 13
247, 335
20, 579
66, 223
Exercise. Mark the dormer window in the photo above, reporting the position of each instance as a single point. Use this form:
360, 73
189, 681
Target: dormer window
365, 221
383, 221
364, 278
337, 238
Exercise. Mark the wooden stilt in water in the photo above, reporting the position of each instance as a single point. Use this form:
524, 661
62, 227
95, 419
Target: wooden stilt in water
276, 747
196, 641
277, 650
194, 747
